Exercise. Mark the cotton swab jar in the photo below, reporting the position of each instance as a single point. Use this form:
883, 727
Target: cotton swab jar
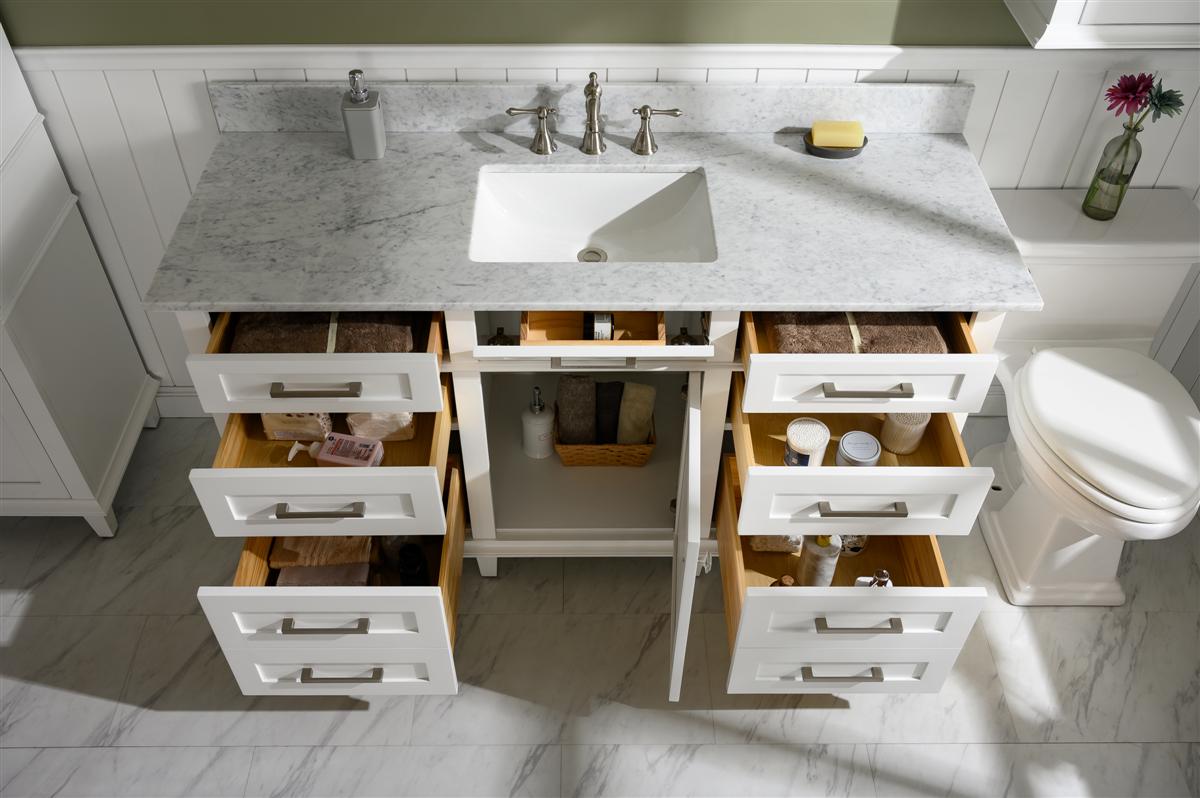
807, 439
902, 432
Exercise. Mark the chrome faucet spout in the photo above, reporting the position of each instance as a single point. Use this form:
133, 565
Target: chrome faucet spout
593, 137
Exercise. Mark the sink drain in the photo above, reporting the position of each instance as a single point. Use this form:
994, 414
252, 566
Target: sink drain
592, 255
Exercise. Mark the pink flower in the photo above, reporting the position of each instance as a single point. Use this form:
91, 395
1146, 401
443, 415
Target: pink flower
1129, 94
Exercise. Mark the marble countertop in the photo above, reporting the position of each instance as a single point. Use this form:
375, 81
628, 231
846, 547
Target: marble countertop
287, 221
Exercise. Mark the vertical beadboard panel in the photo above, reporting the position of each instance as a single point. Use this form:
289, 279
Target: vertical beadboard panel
783, 76
481, 75
279, 74
625, 74
682, 75
732, 75
185, 96
1182, 167
229, 74
831, 76
1070, 106
882, 76
1161, 137
1018, 115
988, 84
932, 75
140, 107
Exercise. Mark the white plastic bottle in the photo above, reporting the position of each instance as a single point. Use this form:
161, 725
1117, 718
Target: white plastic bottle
537, 428
363, 116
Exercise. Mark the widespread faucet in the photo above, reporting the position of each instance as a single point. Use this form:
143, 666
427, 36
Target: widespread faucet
593, 138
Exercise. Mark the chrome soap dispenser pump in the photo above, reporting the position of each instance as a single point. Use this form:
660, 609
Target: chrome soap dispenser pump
362, 114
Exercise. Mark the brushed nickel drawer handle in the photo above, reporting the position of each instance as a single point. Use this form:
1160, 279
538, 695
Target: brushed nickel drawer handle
806, 675
361, 627
895, 627
899, 510
902, 391
306, 677
598, 364
353, 390
356, 510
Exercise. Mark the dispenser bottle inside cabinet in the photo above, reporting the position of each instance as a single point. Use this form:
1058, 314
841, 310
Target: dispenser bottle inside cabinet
537, 428
362, 114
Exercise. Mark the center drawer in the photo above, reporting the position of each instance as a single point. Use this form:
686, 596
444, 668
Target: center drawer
839, 638
934, 490
341, 382
866, 383
555, 335
342, 640
253, 490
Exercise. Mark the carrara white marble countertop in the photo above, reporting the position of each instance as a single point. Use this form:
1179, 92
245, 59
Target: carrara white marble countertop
287, 221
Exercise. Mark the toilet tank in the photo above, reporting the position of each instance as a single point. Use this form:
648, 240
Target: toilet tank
1100, 281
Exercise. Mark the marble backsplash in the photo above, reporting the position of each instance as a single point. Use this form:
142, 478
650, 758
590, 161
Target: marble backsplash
707, 108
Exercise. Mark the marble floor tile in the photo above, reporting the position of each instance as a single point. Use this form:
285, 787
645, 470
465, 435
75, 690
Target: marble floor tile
158, 471
969, 564
970, 707
632, 586
60, 678
716, 770
458, 771
523, 585
1095, 675
20, 539
1163, 574
531, 679
124, 772
154, 565
181, 689
1153, 770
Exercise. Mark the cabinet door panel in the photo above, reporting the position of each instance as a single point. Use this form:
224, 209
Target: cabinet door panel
686, 556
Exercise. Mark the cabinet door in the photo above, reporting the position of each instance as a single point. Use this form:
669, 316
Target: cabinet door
25, 469
687, 535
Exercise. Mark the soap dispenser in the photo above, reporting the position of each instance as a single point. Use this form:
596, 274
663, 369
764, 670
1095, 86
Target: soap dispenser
362, 114
537, 425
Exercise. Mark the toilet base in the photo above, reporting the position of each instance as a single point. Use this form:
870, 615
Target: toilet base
1041, 555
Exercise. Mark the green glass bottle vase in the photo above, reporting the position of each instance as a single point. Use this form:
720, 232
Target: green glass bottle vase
1113, 173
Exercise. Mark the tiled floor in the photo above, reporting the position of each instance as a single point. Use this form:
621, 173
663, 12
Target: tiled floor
112, 685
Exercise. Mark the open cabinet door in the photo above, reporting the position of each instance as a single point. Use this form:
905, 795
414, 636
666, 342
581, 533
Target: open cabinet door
687, 535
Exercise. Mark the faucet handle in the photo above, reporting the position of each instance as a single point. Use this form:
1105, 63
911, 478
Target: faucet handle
645, 112
543, 143
541, 111
643, 142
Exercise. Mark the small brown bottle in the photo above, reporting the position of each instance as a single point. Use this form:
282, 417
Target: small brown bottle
787, 580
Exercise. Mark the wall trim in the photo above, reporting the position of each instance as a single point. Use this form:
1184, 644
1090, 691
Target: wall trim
721, 56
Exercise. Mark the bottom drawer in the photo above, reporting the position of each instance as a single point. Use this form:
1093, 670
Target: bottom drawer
382, 639
841, 638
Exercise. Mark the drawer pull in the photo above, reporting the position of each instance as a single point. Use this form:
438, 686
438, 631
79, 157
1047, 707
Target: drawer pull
902, 391
806, 675
598, 364
353, 390
899, 510
361, 627
306, 677
895, 627
356, 510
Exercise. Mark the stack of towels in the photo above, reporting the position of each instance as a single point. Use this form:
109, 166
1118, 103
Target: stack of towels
876, 333
321, 561
602, 413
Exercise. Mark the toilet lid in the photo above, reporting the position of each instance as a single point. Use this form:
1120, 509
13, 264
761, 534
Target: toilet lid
1118, 420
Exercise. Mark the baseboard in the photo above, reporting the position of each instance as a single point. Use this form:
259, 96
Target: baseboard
176, 402
994, 404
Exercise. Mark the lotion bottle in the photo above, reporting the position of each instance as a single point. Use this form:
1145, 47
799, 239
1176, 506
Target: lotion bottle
362, 114
537, 425
341, 450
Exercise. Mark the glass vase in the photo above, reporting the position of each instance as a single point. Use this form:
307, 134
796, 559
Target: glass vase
1117, 165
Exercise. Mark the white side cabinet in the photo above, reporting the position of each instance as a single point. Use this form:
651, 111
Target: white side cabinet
1100, 24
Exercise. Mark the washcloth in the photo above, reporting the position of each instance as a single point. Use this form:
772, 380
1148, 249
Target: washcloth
297, 426
576, 409
319, 550
608, 410
808, 333
383, 426
900, 333
273, 333
374, 332
351, 575
637, 413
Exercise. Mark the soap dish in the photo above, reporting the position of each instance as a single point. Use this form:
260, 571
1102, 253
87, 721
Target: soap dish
831, 152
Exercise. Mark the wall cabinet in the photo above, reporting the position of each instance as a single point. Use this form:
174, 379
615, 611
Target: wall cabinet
1099, 24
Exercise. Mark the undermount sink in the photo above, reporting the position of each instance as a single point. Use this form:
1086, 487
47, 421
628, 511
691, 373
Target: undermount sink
591, 216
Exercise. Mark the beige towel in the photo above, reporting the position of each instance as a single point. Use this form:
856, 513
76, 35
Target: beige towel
324, 575
319, 550
900, 333
637, 413
808, 333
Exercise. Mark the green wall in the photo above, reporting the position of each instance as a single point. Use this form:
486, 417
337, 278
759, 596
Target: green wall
134, 22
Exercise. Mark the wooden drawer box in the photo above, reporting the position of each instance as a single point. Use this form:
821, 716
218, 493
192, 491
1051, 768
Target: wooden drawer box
839, 638
931, 491
341, 382
866, 383
557, 335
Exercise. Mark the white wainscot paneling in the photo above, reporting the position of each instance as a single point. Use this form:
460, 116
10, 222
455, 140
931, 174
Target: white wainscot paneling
1068, 110
988, 84
1018, 115
185, 96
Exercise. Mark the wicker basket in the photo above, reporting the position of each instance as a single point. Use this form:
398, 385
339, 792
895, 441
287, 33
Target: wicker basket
633, 455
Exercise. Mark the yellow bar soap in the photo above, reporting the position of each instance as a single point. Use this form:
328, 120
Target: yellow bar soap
827, 133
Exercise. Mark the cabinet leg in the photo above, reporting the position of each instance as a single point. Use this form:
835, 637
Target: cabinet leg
103, 525
472, 435
152, 418
487, 565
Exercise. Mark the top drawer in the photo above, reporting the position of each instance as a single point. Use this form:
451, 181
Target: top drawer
558, 336
338, 382
866, 383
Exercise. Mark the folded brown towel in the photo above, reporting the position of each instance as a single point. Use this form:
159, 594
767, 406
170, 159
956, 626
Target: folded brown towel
280, 333
808, 333
374, 332
608, 410
576, 409
900, 333
637, 413
319, 550
350, 575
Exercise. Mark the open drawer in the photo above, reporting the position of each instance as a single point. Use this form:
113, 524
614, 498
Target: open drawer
253, 490
343, 640
556, 335
931, 491
839, 639
340, 382
866, 383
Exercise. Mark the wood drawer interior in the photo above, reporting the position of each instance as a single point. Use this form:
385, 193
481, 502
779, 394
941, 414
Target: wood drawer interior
954, 326
564, 328
427, 334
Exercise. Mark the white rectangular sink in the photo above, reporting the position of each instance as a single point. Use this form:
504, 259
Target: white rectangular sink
563, 216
